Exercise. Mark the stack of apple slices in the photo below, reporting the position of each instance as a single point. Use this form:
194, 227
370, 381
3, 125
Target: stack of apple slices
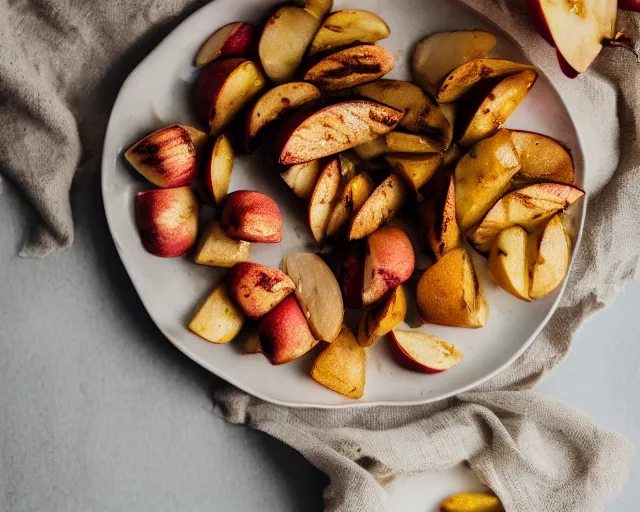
357, 149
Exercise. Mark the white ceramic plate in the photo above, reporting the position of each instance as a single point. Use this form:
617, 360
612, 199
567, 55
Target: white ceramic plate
157, 94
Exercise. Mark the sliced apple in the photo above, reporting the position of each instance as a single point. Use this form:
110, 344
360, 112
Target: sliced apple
416, 170
167, 220
389, 262
302, 178
472, 502
324, 198
528, 207
218, 173
350, 67
216, 249
576, 29
317, 8
334, 129
448, 292
318, 292
497, 106
452, 156
508, 262
284, 41
383, 316
353, 196
249, 340
372, 149
380, 207
252, 216
346, 28
549, 250
284, 333
442, 233
437, 55
399, 142
277, 102
482, 176
352, 276
219, 320
424, 352
223, 88
341, 366
168, 157
233, 40
542, 158
464, 77
421, 113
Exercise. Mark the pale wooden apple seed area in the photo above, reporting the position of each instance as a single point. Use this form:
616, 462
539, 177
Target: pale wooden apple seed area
358, 151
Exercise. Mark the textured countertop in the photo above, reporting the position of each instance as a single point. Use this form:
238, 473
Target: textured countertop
98, 412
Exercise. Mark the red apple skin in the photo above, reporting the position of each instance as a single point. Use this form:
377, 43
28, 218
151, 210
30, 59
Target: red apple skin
539, 22
351, 278
210, 81
167, 220
404, 360
284, 333
629, 5
252, 216
242, 41
565, 67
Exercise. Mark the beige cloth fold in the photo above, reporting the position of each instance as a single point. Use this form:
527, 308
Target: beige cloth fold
61, 63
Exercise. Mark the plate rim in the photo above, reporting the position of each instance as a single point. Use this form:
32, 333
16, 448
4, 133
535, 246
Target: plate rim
104, 165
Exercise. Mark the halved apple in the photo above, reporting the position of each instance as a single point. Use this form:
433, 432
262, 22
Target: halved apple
421, 113
353, 196
464, 77
442, 233
275, 103
324, 198
549, 250
389, 262
449, 293
576, 29
318, 292
334, 129
416, 170
216, 249
223, 88
346, 28
497, 106
424, 352
233, 40
219, 320
437, 55
383, 316
350, 67
400, 142
542, 158
380, 207
508, 262
302, 178
482, 176
341, 366
218, 173
284, 41
528, 207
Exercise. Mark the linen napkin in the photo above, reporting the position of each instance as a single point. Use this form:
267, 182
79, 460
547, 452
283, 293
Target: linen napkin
61, 64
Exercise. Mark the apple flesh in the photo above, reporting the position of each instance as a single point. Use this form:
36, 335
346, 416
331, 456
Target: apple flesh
353, 196
318, 292
341, 366
257, 289
168, 157
549, 255
389, 262
252, 216
219, 320
167, 220
218, 172
233, 40
380, 318
284, 333
542, 158
416, 170
348, 27
442, 233
333, 129
223, 88
216, 249
472, 502
508, 262
380, 207
317, 8
302, 178
350, 67
275, 103
323, 199
400, 142
424, 352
